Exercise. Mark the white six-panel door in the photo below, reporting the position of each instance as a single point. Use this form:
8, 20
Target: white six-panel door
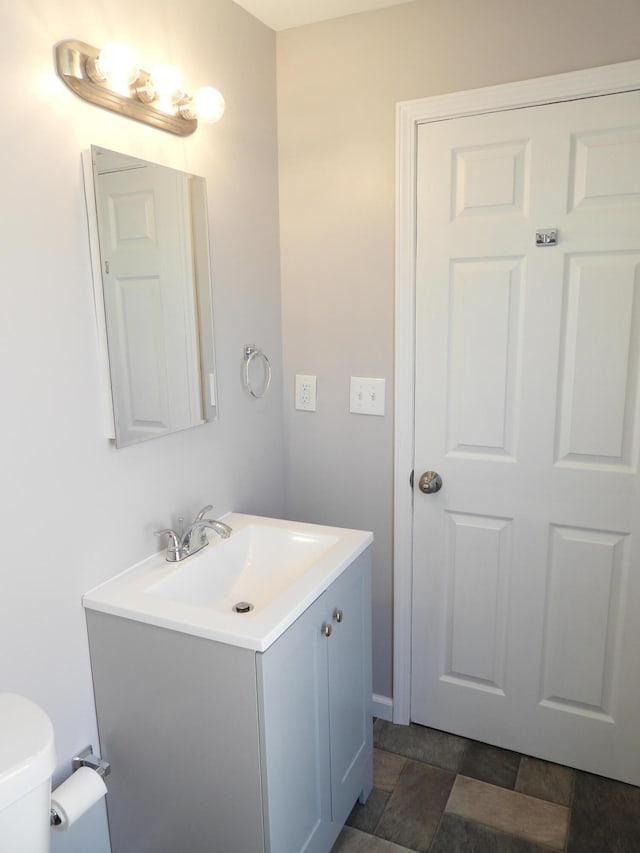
526, 565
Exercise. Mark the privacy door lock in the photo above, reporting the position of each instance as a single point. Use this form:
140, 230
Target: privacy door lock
547, 237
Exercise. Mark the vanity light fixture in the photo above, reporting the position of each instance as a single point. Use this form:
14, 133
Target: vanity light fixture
111, 78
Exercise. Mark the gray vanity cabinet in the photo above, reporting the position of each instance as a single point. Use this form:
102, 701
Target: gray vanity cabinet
315, 689
220, 749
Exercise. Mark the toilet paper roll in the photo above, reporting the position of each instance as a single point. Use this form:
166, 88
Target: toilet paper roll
77, 794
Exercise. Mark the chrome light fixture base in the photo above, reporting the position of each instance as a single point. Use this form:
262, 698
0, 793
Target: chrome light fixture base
71, 65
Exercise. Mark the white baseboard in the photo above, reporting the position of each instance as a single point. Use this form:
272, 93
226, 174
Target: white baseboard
382, 707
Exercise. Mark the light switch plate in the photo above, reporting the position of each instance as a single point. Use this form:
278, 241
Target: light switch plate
305, 392
366, 396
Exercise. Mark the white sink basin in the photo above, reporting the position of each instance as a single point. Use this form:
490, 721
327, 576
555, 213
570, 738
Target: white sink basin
278, 567
256, 564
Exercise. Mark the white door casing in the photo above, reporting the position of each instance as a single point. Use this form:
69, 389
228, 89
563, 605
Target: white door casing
496, 442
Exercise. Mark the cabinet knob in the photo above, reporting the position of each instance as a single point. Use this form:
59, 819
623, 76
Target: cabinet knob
338, 615
325, 630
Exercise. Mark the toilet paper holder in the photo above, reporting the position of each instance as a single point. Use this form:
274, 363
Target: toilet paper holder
85, 758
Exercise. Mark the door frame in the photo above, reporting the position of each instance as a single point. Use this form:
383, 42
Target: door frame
592, 82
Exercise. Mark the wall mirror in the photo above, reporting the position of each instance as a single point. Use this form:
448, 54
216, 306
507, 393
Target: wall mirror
149, 240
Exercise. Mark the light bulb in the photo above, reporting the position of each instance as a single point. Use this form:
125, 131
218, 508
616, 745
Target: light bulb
206, 104
117, 64
167, 83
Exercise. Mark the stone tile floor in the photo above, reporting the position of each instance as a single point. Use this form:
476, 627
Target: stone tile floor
440, 793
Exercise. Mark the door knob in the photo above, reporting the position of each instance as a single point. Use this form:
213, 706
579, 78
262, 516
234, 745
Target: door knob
430, 482
338, 615
325, 630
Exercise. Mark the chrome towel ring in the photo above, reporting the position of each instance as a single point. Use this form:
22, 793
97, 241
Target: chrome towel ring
250, 352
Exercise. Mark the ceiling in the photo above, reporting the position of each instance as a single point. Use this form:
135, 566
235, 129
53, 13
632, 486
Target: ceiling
284, 14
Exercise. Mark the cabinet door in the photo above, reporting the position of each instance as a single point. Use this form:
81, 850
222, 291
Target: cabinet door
292, 684
350, 720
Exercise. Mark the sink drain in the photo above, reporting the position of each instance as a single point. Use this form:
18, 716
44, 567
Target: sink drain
242, 607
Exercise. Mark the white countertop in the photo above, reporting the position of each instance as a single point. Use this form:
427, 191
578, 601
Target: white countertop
142, 592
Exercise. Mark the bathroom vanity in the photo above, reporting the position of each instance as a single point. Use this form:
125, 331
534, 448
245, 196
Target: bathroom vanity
237, 732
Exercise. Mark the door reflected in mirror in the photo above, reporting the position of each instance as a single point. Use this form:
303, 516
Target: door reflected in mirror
149, 240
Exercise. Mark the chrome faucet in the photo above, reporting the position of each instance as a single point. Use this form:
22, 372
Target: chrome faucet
182, 545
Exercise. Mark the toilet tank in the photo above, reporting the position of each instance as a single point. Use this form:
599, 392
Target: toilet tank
27, 760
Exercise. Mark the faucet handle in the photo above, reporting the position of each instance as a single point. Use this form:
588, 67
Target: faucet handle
174, 539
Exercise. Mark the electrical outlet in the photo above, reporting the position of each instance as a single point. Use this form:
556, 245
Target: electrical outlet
305, 392
367, 396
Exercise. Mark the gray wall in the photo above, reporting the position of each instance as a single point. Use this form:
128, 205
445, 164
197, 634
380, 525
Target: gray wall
76, 511
338, 83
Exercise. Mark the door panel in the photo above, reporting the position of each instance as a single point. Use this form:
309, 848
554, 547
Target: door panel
526, 571
599, 364
349, 681
491, 180
605, 169
484, 310
476, 554
295, 734
582, 644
